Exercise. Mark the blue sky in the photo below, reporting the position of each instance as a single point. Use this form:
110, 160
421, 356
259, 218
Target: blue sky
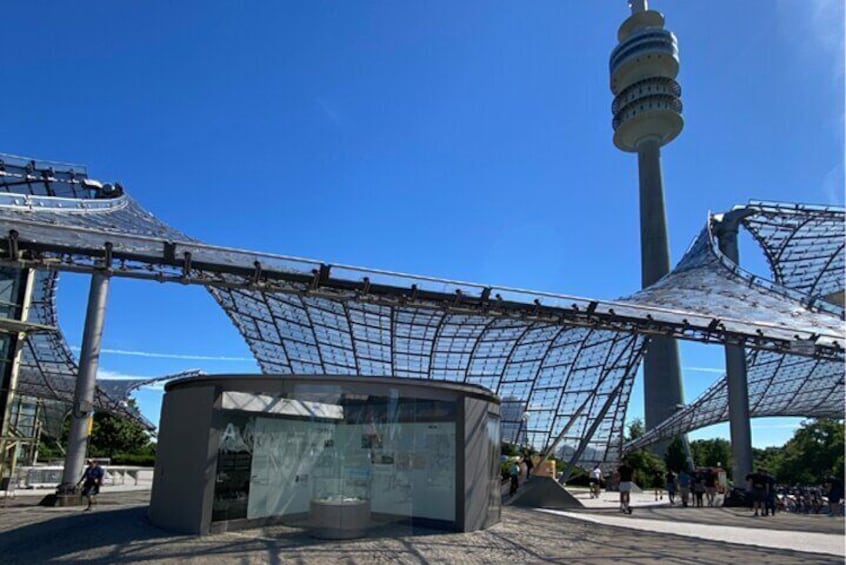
465, 140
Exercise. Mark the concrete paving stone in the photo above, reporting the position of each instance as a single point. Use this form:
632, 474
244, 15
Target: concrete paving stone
118, 531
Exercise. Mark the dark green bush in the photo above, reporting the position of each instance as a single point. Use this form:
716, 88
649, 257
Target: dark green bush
139, 459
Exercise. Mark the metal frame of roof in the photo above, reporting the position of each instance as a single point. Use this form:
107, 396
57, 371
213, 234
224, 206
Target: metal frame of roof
805, 249
569, 362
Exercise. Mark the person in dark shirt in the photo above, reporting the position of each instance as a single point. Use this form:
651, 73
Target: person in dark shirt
529, 464
757, 486
92, 480
711, 486
698, 481
671, 486
626, 473
770, 505
834, 492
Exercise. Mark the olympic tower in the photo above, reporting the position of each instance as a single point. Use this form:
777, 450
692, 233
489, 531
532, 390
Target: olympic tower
647, 115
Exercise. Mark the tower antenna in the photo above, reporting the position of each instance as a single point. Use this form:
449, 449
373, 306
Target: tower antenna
638, 6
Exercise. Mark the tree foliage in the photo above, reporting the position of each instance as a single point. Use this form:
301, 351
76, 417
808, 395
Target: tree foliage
111, 436
712, 453
675, 457
815, 449
644, 463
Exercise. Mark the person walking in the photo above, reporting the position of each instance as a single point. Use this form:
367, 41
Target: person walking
595, 481
711, 486
529, 464
834, 492
514, 474
626, 473
92, 480
698, 488
770, 502
684, 487
671, 486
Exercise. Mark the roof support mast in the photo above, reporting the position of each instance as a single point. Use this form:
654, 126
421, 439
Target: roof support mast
86, 383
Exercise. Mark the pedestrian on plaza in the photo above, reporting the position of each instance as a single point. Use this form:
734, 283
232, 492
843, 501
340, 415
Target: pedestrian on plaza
770, 503
514, 474
92, 480
529, 464
834, 492
711, 486
626, 474
757, 486
595, 481
658, 483
684, 487
671, 486
698, 488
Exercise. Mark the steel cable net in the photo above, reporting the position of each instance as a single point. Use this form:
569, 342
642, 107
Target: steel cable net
803, 245
544, 373
48, 368
562, 365
805, 248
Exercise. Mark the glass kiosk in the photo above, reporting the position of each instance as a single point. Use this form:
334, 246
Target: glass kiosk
338, 455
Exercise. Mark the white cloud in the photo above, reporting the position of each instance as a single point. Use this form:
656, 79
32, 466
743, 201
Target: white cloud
106, 375
775, 426
832, 185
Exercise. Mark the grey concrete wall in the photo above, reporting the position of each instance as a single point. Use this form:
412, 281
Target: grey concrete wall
477, 468
182, 480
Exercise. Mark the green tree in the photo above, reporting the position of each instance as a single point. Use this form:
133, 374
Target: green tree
712, 453
509, 449
643, 462
769, 458
636, 429
815, 449
112, 435
675, 457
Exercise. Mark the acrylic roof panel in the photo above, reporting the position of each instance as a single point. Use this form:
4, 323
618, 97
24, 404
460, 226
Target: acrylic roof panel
568, 362
706, 282
548, 370
48, 368
803, 244
779, 385
80, 235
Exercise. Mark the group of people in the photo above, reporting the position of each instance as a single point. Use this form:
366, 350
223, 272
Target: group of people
761, 486
704, 484
700, 487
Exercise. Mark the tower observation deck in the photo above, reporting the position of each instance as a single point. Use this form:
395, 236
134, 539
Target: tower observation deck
647, 115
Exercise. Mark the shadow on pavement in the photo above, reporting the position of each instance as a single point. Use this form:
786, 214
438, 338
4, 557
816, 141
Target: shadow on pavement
122, 534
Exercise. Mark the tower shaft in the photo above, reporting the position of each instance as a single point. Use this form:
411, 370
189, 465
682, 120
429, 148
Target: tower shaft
662, 379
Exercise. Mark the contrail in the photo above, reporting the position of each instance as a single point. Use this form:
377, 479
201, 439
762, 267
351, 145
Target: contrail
704, 369
169, 355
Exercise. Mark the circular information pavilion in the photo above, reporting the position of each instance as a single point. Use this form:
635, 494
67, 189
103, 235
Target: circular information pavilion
335, 455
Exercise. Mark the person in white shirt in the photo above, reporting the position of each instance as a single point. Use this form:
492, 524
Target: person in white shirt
595, 480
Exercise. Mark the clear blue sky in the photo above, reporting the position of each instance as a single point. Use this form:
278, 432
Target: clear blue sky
467, 140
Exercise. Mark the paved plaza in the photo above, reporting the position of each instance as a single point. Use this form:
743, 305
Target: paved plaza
118, 531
